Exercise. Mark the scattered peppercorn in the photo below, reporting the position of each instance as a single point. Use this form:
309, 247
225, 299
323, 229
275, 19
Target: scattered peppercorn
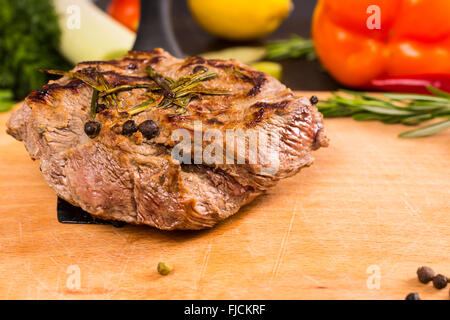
101, 107
199, 68
129, 127
440, 281
314, 100
164, 268
413, 296
92, 129
149, 129
425, 274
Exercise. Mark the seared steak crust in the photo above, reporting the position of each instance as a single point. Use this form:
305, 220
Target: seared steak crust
136, 180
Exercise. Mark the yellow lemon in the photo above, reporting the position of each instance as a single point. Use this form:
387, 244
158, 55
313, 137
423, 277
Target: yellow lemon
240, 19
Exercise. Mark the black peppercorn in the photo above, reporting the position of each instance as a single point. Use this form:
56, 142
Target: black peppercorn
149, 129
92, 129
425, 274
413, 296
440, 281
314, 100
199, 68
129, 127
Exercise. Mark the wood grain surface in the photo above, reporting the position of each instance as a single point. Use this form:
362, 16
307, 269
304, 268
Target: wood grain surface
372, 207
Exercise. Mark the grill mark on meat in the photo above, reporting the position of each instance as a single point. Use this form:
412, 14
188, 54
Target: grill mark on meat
259, 80
192, 61
157, 59
258, 116
97, 63
276, 105
256, 78
220, 64
214, 121
117, 79
43, 95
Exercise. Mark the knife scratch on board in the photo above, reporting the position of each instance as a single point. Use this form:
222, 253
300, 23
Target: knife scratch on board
283, 245
204, 265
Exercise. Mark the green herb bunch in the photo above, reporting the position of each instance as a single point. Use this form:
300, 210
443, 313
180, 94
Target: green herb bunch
390, 108
30, 34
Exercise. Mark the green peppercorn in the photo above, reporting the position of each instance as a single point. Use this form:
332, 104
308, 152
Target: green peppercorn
149, 129
413, 296
425, 274
92, 129
129, 127
440, 281
164, 268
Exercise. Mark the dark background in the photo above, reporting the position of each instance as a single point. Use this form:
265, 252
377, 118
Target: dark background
297, 74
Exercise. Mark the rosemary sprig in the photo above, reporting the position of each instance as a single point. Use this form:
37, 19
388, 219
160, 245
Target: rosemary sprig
94, 102
127, 87
178, 93
295, 47
163, 93
390, 108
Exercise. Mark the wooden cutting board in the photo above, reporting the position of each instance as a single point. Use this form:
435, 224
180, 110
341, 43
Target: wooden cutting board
356, 225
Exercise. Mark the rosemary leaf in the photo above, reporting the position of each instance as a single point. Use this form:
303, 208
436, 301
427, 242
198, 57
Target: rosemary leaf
415, 120
419, 97
425, 107
426, 130
128, 88
144, 106
366, 116
94, 102
438, 92
387, 111
160, 80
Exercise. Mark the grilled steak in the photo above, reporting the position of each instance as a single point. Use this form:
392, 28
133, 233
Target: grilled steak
105, 137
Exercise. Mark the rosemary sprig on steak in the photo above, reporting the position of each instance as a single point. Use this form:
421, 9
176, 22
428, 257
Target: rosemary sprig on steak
407, 109
163, 93
180, 92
